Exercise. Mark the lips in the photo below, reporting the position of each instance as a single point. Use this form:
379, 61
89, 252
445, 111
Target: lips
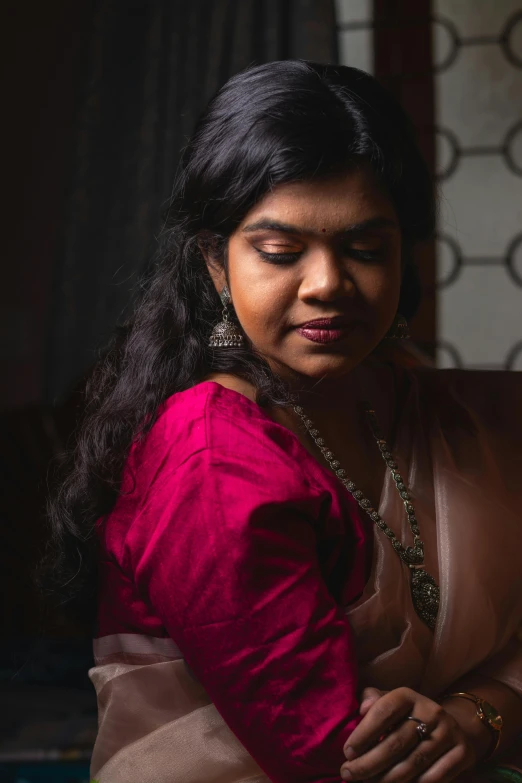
337, 321
324, 330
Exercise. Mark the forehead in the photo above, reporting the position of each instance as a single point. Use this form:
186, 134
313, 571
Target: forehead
331, 203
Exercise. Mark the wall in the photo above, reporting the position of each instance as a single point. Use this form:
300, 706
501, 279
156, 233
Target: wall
42, 58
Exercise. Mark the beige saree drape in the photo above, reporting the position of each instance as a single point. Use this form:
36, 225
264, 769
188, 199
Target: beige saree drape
459, 442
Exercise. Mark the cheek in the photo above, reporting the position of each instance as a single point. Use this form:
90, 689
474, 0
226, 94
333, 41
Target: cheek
380, 287
261, 297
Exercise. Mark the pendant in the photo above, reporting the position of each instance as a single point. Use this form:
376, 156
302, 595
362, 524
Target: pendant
414, 555
426, 596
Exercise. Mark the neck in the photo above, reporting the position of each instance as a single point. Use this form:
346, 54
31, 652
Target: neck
337, 403
362, 383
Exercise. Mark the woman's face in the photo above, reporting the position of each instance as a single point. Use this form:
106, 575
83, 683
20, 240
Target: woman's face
311, 250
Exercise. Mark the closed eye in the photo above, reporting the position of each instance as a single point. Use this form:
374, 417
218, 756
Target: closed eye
288, 258
279, 258
364, 255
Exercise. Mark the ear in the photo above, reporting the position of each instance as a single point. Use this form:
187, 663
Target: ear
212, 260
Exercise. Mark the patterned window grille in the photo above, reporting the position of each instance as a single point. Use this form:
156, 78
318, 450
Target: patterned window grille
475, 71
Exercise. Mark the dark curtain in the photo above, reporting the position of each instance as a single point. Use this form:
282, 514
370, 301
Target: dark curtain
152, 66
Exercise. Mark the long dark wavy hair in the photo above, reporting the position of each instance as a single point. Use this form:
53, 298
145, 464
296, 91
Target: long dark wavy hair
282, 122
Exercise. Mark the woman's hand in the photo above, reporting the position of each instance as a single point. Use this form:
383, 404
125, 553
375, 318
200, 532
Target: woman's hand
386, 745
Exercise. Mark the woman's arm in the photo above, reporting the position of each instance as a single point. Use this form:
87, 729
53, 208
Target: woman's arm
503, 698
226, 554
457, 741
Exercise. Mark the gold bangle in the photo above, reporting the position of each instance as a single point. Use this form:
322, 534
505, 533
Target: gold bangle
489, 716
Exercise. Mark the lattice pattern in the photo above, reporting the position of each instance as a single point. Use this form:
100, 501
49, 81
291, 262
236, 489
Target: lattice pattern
463, 339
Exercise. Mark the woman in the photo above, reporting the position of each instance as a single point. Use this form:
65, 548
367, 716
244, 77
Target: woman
287, 519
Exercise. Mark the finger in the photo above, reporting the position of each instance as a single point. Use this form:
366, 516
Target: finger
449, 766
420, 760
371, 694
368, 697
384, 714
394, 747
417, 762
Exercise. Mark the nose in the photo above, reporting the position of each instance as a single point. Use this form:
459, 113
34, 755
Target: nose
325, 277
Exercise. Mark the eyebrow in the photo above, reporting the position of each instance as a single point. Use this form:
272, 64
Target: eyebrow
355, 228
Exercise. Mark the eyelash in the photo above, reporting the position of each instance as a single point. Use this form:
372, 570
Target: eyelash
287, 258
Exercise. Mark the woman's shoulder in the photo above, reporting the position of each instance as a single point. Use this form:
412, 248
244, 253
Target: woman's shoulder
211, 444
233, 382
216, 403
218, 414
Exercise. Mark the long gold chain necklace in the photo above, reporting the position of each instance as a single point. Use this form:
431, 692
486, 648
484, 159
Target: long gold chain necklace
424, 590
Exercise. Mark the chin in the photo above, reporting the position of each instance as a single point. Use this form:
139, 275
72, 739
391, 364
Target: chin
335, 364
330, 370
323, 363
325, 367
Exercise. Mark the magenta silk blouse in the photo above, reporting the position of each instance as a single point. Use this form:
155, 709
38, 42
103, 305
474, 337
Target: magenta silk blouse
230, 539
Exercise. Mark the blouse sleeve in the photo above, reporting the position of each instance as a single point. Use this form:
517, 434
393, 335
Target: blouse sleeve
227, 557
